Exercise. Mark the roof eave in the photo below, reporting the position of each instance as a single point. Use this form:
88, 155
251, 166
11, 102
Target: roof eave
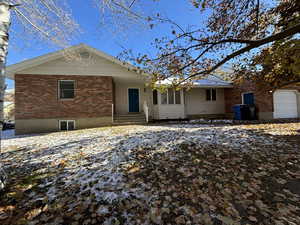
15, 68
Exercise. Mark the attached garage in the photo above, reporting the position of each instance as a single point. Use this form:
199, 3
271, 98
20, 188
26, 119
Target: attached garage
285, 104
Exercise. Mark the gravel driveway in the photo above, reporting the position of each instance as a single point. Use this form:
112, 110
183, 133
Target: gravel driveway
157, 174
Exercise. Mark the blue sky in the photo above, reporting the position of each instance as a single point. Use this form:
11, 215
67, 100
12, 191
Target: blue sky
96, 36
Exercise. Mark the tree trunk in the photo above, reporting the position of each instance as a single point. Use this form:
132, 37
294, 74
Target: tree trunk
4, 37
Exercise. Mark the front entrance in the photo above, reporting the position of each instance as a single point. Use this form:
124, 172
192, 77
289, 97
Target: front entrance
133, 99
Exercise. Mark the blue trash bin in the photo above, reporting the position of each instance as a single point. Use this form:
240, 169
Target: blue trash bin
241, 112
237, 112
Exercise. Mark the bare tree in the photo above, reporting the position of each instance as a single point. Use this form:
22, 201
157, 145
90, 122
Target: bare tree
49, 20
119, 20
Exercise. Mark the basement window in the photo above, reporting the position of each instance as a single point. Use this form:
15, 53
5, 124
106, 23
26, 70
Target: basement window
211, 94
65, 125
66, 89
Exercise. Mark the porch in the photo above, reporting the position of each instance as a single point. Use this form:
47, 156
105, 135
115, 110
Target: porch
131, 102
134, 102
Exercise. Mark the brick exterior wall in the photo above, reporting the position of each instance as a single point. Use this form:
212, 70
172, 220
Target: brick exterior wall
263, 98
36, 97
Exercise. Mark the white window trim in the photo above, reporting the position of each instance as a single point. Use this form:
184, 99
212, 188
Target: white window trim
210, 89
174, 97
249, 92
58, 88
59, 121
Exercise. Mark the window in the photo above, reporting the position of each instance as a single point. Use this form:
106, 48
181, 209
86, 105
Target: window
154, 93
164, 98
65, 125
177, 97
211, 94
66, 89
171, 97
208, 94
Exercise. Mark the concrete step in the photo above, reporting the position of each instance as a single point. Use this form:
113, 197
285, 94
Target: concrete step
130, 119
129, 123
137, 116
140, 115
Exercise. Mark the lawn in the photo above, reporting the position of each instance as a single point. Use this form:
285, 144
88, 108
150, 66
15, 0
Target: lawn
158, 174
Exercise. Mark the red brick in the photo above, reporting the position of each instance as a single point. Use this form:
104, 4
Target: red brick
263, 97
36, 97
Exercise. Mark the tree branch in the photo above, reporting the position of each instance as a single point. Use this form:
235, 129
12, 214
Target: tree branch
208, 48
132, 3
230, 40
175, 51
287, 83
195, 60
281, 35
32, 24
257, 16
128, 10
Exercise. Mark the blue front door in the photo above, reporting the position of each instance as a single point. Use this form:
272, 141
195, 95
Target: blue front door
133, 100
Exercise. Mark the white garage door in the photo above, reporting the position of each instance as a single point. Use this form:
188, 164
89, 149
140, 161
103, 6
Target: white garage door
285, 104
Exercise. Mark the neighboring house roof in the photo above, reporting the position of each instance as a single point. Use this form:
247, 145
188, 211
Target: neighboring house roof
212, 81
209, 81
11, 70
9, 95
11, 90
8, 103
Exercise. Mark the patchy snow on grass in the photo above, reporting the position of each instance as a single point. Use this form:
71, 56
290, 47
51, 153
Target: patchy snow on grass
88, 165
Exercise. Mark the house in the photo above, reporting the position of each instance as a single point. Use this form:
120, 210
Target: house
57, 92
